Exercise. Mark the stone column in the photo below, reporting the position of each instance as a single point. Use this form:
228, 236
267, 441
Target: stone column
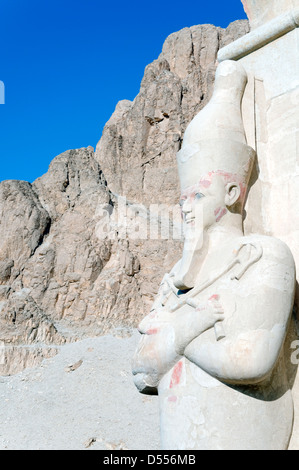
270, 56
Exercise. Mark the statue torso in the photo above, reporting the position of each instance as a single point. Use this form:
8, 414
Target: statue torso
210, 413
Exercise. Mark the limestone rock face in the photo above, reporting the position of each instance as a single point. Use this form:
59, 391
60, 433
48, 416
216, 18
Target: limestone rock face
24, 223
139, 144
60, 277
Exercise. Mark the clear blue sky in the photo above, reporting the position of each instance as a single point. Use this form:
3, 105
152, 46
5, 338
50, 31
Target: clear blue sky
66, 64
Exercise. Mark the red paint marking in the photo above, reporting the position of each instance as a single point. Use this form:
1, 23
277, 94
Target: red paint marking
214, 297
205, 183
199, 309
222, 213
243, 188
152, 331
172, 399
219, 213
176, 374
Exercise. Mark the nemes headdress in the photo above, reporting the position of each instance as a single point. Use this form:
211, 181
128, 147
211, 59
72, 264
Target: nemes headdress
215, 139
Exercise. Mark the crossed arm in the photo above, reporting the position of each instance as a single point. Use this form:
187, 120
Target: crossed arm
255, 332
242, 357
165, 337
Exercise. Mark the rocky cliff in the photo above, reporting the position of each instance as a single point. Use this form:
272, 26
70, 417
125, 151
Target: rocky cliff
70, 263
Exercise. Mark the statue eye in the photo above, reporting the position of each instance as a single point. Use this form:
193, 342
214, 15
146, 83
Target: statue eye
182, 202
199, 196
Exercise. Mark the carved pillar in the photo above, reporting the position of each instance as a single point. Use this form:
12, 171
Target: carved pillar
270, 56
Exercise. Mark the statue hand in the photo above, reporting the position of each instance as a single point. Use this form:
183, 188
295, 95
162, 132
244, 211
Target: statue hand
207, 314
201, 317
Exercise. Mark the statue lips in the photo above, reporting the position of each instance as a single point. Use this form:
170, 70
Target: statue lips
189, 220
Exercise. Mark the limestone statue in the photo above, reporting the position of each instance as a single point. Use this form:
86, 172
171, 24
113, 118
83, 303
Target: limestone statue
212, 346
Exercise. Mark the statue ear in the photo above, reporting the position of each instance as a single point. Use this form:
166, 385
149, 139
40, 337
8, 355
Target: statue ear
233, 192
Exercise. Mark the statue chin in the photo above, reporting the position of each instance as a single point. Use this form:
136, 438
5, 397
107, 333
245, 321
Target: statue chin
185, 277
183, 282
140, 381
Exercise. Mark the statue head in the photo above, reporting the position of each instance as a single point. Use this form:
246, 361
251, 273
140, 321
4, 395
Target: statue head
214, 147
208, 201
214, 163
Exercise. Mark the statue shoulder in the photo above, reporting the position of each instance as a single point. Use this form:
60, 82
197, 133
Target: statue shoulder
271, 248
259, 253
265, 260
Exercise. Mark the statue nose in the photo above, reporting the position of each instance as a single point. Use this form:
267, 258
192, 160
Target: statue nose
186, 207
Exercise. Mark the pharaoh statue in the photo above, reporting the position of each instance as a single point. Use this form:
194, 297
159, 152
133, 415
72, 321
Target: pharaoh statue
212, 346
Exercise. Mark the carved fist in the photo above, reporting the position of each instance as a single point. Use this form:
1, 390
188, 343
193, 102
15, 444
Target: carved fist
208, 313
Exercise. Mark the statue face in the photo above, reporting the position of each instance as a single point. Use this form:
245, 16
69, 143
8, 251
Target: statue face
203, 205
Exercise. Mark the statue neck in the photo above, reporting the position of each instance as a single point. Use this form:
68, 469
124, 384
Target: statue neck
217, 236
214, 249
218, 245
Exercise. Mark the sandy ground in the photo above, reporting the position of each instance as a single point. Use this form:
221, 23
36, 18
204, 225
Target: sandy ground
83, 398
